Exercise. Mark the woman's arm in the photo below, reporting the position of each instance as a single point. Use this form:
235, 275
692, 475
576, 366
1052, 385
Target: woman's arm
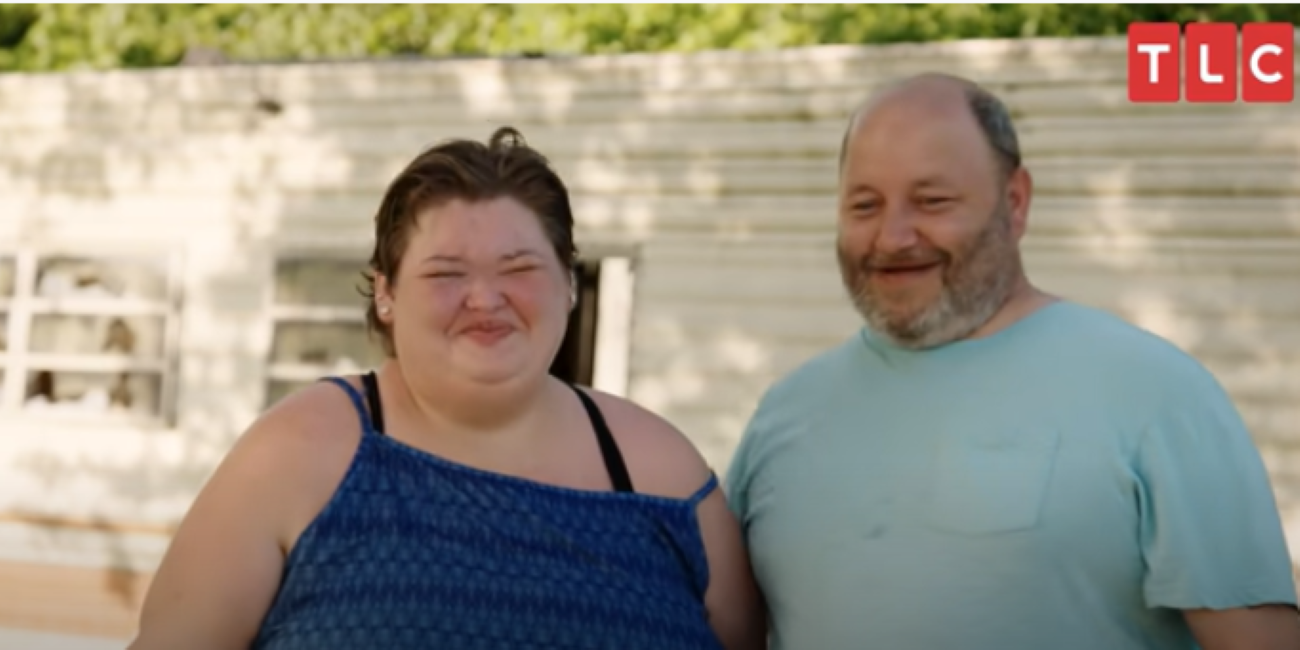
733, 600
665, 462
222, 569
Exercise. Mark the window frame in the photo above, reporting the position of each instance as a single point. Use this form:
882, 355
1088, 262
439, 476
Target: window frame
25, 305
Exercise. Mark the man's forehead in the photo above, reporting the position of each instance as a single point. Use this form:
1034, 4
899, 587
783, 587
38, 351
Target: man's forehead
906, 137
924, 180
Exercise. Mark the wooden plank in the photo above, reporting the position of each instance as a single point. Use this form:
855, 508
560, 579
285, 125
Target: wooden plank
793, 285
1196, 297
305, 372
467, 106
77, 306
395, 133
1000, 61
758, 214
1061, 252
1257, 176
318, 314
71, 600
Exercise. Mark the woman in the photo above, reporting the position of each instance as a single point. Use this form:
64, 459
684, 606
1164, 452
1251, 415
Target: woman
460, 497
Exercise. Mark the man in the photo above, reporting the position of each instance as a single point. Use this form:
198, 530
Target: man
985, 466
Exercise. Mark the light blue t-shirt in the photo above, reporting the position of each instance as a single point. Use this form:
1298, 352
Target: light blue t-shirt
1070, 483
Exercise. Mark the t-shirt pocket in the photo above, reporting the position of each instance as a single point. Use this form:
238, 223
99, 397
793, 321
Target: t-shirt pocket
991, 482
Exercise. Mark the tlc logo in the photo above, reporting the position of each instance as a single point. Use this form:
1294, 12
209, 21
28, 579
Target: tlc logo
1211, 66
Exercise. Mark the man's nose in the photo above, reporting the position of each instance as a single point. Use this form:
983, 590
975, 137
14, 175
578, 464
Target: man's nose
897, 230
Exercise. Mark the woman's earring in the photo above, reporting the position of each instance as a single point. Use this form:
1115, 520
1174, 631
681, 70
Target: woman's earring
573, 289
384, 310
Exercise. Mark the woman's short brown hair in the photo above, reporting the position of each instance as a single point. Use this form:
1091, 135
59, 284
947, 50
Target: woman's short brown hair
470, 171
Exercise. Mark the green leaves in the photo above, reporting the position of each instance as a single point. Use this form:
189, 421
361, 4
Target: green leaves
68, 37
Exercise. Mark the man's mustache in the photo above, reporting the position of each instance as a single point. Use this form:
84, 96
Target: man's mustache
911, 259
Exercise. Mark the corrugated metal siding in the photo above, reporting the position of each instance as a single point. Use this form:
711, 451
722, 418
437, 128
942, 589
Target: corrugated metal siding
719, 169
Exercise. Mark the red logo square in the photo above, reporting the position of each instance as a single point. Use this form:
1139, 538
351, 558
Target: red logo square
1153, 62
1211, 62
1267, 66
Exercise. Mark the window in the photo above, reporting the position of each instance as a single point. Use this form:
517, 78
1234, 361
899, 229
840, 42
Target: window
90, 336
6, 300
574, 361
319, 322
595, 348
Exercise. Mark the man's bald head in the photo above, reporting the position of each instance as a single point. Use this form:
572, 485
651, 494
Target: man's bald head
943, 95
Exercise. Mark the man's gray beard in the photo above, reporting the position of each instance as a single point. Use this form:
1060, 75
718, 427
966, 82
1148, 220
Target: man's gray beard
975, 287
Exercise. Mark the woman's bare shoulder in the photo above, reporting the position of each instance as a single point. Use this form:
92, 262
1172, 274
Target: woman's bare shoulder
299, 449
318, 417
224, 563
660, 458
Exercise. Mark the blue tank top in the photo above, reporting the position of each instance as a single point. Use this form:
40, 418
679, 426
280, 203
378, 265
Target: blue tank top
416, 551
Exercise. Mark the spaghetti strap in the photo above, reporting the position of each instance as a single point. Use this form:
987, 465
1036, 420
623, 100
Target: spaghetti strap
358, 402
705, 490
372, 398
614, 465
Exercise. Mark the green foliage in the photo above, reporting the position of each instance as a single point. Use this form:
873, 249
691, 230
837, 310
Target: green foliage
63, 37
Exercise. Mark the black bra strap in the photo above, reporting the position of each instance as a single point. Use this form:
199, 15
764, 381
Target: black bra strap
608, 448
372, 401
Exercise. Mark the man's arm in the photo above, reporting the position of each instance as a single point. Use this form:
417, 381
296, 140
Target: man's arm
1212, 536
1268, 627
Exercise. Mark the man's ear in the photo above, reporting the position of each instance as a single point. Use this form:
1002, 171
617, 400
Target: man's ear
1020, 190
